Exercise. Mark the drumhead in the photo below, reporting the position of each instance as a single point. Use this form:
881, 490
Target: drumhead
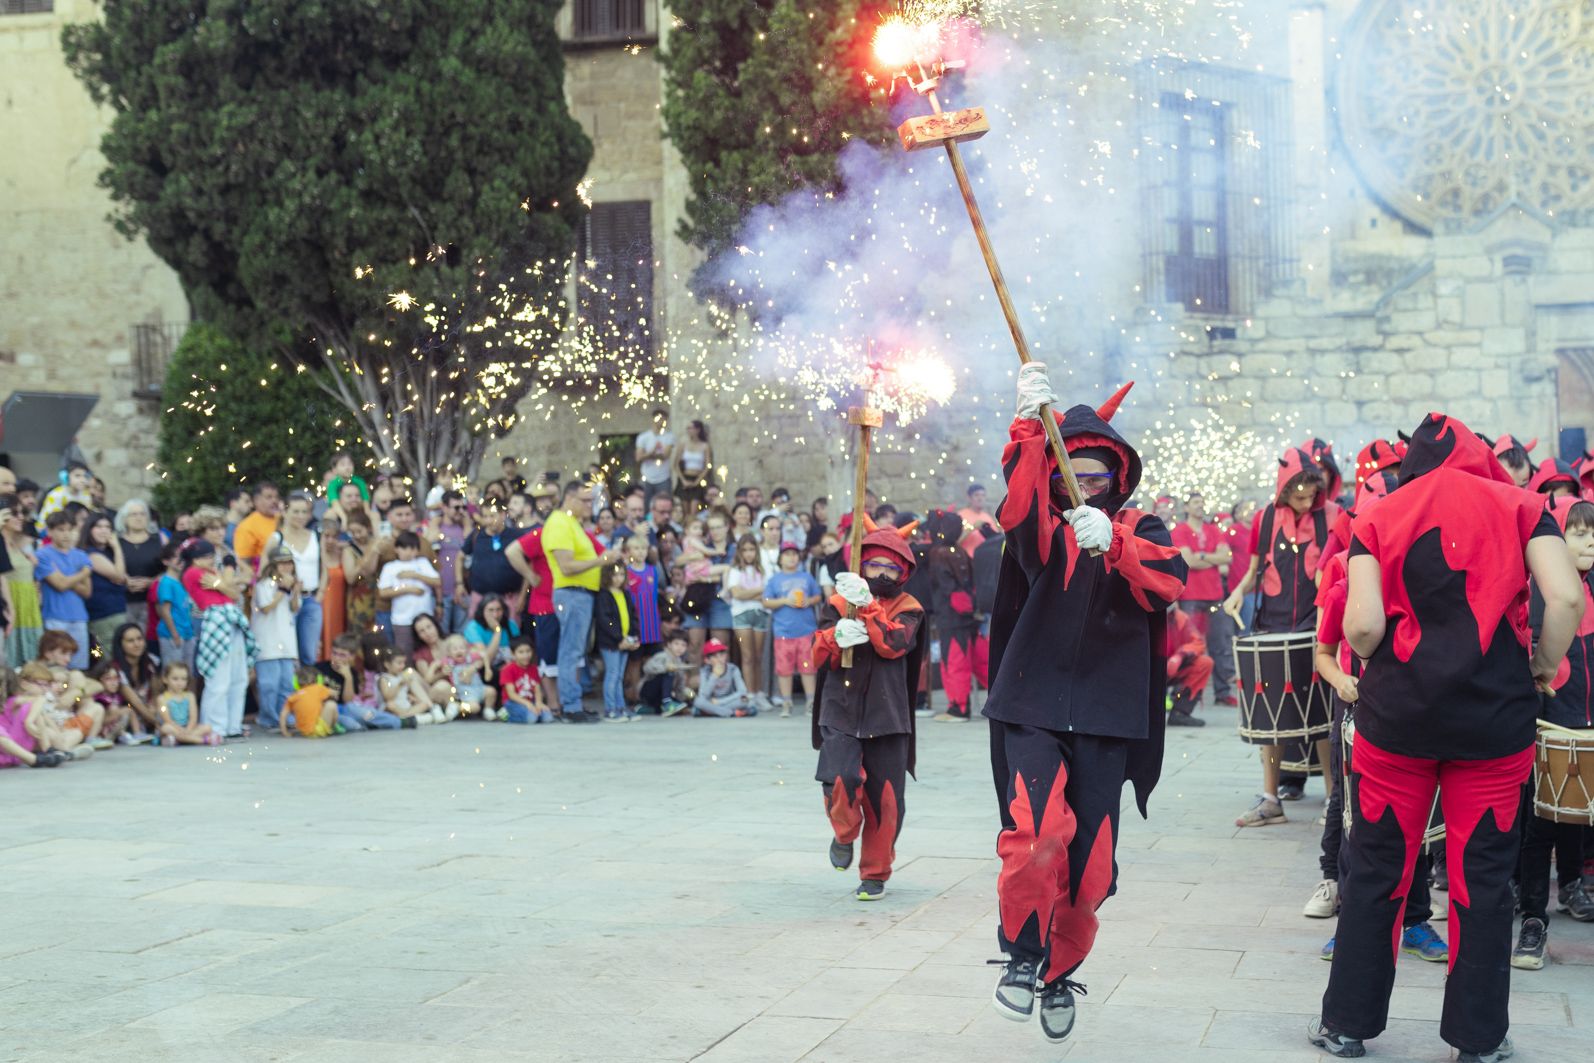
1276, 640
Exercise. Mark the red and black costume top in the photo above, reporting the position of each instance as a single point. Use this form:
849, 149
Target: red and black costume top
876, 695
1450, 680
1573, 704
1289, 548
1077, 641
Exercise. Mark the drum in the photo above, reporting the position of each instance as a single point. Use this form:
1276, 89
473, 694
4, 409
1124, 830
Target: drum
1278, 690
1347, 737
1299, 755
1563, 775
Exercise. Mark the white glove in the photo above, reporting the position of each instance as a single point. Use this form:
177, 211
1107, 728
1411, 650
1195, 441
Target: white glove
1092, 528
854, 588
1034, 390
851, 633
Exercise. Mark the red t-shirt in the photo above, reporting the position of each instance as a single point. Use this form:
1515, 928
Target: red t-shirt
1203, 585
519, 683
1239, 539
203, 597
540, 601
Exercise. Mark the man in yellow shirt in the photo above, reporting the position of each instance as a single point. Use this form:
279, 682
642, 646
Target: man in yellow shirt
249, 538
576, 560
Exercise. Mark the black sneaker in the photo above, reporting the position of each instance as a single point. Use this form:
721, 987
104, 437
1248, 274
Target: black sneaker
1015, 991
871, 889
1575, 902
1291, 792
840, 855
1057, 1009
1501, 1051
1333, 1043
408, 723
1529, 953
52, 758
1184, 719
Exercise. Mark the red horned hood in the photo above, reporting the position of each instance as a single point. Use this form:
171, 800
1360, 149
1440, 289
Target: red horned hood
1553, 472
1292, 463
1441, 441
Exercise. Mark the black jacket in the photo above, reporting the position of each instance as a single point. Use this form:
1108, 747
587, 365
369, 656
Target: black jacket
1076, 640
606, 619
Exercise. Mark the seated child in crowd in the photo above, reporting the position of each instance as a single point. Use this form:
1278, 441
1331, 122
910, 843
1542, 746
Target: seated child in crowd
667, 678
355, 690
117, 713
17, 742
311, 710
404, 692
721, 691
179, 718
522, 686
73, 706
466, 666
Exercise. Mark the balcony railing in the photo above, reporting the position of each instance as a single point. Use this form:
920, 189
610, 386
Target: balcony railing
26, 7
605, 20
152, 352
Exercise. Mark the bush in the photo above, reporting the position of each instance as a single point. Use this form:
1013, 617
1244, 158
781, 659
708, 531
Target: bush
231, 416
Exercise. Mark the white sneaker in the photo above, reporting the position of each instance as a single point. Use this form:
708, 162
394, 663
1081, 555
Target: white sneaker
489, 714
1324, 901
422, 719
437, 715
82, 752
101, 742
126, 738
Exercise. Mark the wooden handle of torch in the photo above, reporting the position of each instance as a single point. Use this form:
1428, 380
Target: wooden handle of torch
1059, 452
860, 490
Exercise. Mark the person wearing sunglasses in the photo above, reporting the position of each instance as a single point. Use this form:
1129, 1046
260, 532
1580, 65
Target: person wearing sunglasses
1076, 705
863, 715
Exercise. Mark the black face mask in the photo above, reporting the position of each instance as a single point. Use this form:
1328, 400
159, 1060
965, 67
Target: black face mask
884, 586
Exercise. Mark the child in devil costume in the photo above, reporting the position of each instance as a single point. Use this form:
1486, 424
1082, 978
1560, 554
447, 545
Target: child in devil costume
1189, 668
1076, 705
1436, 608
863, 718
963, 649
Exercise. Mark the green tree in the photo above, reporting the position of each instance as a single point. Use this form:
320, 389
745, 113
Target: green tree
759, 98
231, 415
300, 163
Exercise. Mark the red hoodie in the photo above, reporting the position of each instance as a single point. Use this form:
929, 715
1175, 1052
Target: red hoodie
1450, 680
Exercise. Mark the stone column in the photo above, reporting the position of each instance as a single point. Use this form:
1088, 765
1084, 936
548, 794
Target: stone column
1309, 119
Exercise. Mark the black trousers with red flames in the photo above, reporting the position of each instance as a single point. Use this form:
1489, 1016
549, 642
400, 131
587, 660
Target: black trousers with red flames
1058, 794
864, 781
1392, 799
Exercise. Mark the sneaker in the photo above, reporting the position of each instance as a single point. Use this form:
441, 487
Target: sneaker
49, 759
1229, 700
1327, 951
840, 855
1184, 719
674, 708
923, 711
339, 729
1057, 1009
1015, 990
452, 711
1291, 792
612, 714
490, 714
1574, 900
169, 742
761, 701
1264, 813
1324, 901
127, 738
1501, 1051
1529, 953
871, 889
82, 752
1440, 878
410, 723
141, 739
953, 716
1333, 1043
1425, 943
785, 711
101, 742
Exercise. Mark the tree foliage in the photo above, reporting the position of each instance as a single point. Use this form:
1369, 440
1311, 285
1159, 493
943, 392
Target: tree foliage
232, 415
299, 161
759, 98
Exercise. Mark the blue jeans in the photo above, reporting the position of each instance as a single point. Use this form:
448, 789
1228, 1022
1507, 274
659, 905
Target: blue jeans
275, 682
307, 625
79, 630
365, 718
614, 678
452, 617
573, 607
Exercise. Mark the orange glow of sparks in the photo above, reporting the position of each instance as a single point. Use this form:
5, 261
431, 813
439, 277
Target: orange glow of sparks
898, 42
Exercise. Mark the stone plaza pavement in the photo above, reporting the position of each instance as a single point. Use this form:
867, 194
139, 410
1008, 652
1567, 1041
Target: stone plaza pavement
651, 891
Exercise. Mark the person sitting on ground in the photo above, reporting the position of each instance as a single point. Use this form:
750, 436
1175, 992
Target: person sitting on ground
73, 707
666, 678
345, 675
1189, 668
138, 676
311, 710
522, 686
113, 704
466, 664
28, 732
404, 692
492, 630
721, 690
180, 724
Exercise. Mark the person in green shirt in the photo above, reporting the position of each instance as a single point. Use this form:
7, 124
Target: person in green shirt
575, 560
342, 472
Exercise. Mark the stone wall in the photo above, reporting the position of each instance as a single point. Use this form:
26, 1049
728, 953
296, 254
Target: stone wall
71, 285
